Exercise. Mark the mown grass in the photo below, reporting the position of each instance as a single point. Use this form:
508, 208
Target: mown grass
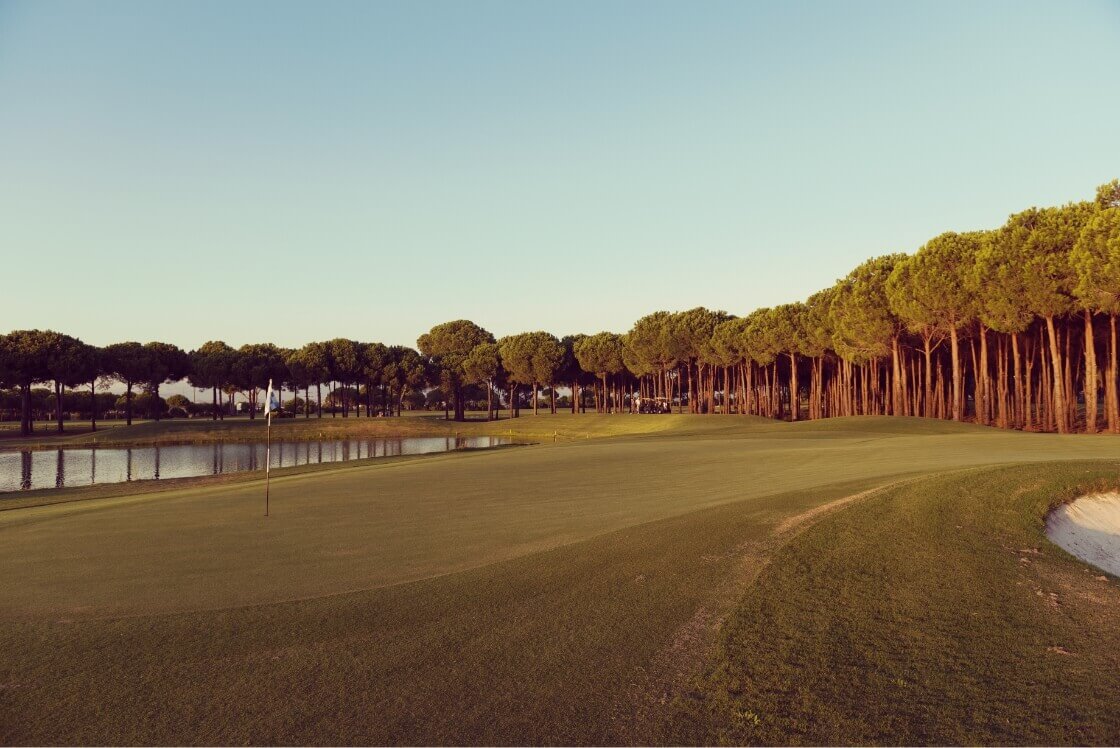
559, 593
545, 648
933, 613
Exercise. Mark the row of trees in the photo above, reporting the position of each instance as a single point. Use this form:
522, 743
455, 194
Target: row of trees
1013, 327
30, 357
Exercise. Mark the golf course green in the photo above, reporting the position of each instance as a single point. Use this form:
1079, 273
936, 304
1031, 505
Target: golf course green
622, 579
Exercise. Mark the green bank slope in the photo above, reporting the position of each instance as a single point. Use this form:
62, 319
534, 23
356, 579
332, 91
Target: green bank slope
932, 613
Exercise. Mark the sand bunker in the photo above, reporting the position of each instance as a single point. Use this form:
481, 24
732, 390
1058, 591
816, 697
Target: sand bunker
1089, 528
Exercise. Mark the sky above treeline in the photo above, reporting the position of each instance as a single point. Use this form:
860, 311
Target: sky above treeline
286, 172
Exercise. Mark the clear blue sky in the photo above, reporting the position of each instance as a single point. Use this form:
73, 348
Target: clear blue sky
288, 172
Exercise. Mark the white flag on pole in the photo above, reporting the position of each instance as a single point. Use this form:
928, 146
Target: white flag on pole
271, 400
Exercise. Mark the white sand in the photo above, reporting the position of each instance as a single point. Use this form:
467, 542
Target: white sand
1089, 528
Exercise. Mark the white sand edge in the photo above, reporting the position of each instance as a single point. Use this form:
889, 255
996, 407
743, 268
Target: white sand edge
1089, 528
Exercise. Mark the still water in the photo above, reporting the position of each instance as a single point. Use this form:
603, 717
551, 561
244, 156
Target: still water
83, 467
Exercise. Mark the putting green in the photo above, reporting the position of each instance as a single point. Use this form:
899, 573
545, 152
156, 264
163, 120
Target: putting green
371, 527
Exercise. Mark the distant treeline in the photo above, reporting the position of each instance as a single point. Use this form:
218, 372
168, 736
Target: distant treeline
81, 404
1013, 327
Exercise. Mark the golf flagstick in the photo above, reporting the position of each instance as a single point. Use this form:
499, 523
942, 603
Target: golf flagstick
267, 442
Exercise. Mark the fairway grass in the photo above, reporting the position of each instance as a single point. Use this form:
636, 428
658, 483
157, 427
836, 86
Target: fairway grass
569, 592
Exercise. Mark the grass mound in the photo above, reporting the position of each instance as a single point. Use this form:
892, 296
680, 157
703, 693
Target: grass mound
933, 613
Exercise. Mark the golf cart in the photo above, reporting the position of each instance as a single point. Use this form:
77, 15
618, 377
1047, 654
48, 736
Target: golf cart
652, 405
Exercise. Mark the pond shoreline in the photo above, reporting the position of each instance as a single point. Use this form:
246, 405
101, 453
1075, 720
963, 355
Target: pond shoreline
77, 466
182, 432
15, 500
235, 435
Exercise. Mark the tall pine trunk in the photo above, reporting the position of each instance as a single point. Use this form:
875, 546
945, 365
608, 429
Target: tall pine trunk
1001, 383
927, 405
727, 390
794, 397
1030, 415
1022, 387
1090, 375
711, 370
896, 380
1067, 382
957, 390
1058, 385
983, 382
1111, 395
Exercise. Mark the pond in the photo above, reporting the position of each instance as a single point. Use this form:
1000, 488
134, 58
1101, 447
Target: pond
57, 468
